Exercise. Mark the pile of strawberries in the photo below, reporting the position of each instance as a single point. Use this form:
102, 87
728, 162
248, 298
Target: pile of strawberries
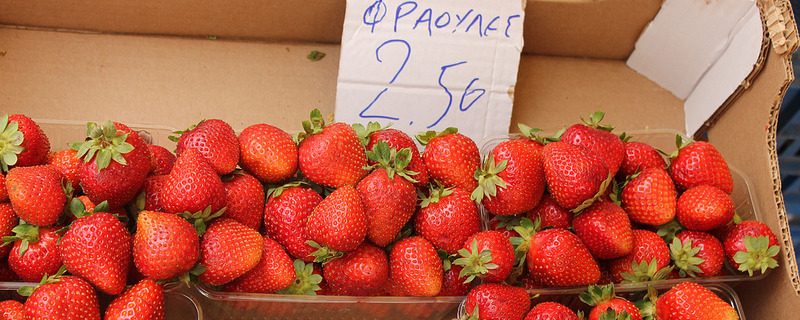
356, 210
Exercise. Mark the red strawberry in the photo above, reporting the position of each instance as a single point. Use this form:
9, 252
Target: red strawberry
165, 245
692, 301
35, 252
339, 222
22, 141
273, 272
115, 163
98, 248
648, 248
228, 249
12, 310
8, 220
285, 218
62, 297
575, 175
193, 185
495, 301
551, 310
451, 158
697, 254
638, 157
216, 142
488, 255
558, 258
37, 193
389, 198
162, 159
751, 246
268, 153
605, 230
650, 197
331, 155
704, 208
447, 218
550, 213
698, 163
152, 188
3, 189
597, 138
245, 199
399, 140
67, 162
604, 300
415, 267
361, 272
511, 180
143, 301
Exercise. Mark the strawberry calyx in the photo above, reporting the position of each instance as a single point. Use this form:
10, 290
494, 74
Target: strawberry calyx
392, 160
27, 291
229, 177
600, 192
306, 282
685, 257
201, 219
611, 314
277, 191
425, 137
594, 121
324, 254
533, 134
190, 277
669, 230
313, 126
759, 255
596, 295
646, 271
25, 232
436, 192
680, 144
105, 142
625, 137
10, 142
363, 132
647, 305
181, 132
488, 179
474, 264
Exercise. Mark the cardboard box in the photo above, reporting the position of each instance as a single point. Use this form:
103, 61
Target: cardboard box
156, 62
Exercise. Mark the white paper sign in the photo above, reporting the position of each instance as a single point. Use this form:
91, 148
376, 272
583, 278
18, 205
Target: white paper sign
429, 65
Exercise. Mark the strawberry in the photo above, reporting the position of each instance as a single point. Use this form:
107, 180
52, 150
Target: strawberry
697, 163
115, 163
97, 248
550, 213
142, 301
692, 301
22, 142
597, 138
650, 197
339, 222
273, 272
388, 195
488, 255
361, 272
216, 142
575, 175
34, 253
61, 297
286, 216
704, 208
331, 155
638, 157
558, 258
151, 189
37, 193
650, 255
67, 162
447, 218
162, 159
415, 267
604, 300
228, 249
12, 310
193, 185
8, 220
605, 230
452, 284
451, 158
3, 188
495, 301
551, 310
511, 181
398, 140
751, 246
245, 199
697, 254
268, 153
165, 245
